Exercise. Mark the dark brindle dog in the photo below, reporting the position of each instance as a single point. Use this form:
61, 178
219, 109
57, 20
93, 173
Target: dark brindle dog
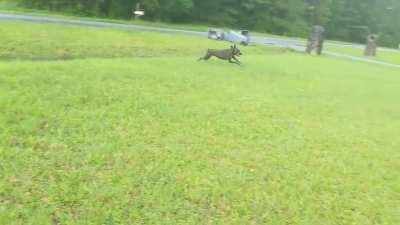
227, 54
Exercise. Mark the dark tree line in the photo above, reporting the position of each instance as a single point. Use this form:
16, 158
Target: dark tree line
349, 20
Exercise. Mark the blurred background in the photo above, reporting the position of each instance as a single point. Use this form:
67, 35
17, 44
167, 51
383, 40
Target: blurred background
345, 20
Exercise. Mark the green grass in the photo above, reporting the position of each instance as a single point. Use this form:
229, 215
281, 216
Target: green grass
382, 54
132, 130
11, 7
41, 42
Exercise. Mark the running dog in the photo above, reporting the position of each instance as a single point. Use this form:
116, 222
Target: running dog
226, 54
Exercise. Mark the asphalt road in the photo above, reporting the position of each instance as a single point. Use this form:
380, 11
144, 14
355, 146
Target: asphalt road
280, 42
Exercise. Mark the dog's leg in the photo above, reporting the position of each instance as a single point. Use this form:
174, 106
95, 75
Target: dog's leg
237, 60
230, 60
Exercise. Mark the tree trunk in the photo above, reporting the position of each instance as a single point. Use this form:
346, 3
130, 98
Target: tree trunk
316, 40
370, 47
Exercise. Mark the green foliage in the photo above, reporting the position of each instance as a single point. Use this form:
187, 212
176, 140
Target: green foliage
353, 20
158, 138
348, 20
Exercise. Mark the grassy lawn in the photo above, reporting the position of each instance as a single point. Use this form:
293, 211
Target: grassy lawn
99, 126
382, 54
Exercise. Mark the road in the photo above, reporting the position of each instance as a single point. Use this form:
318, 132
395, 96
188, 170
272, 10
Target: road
294, 44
